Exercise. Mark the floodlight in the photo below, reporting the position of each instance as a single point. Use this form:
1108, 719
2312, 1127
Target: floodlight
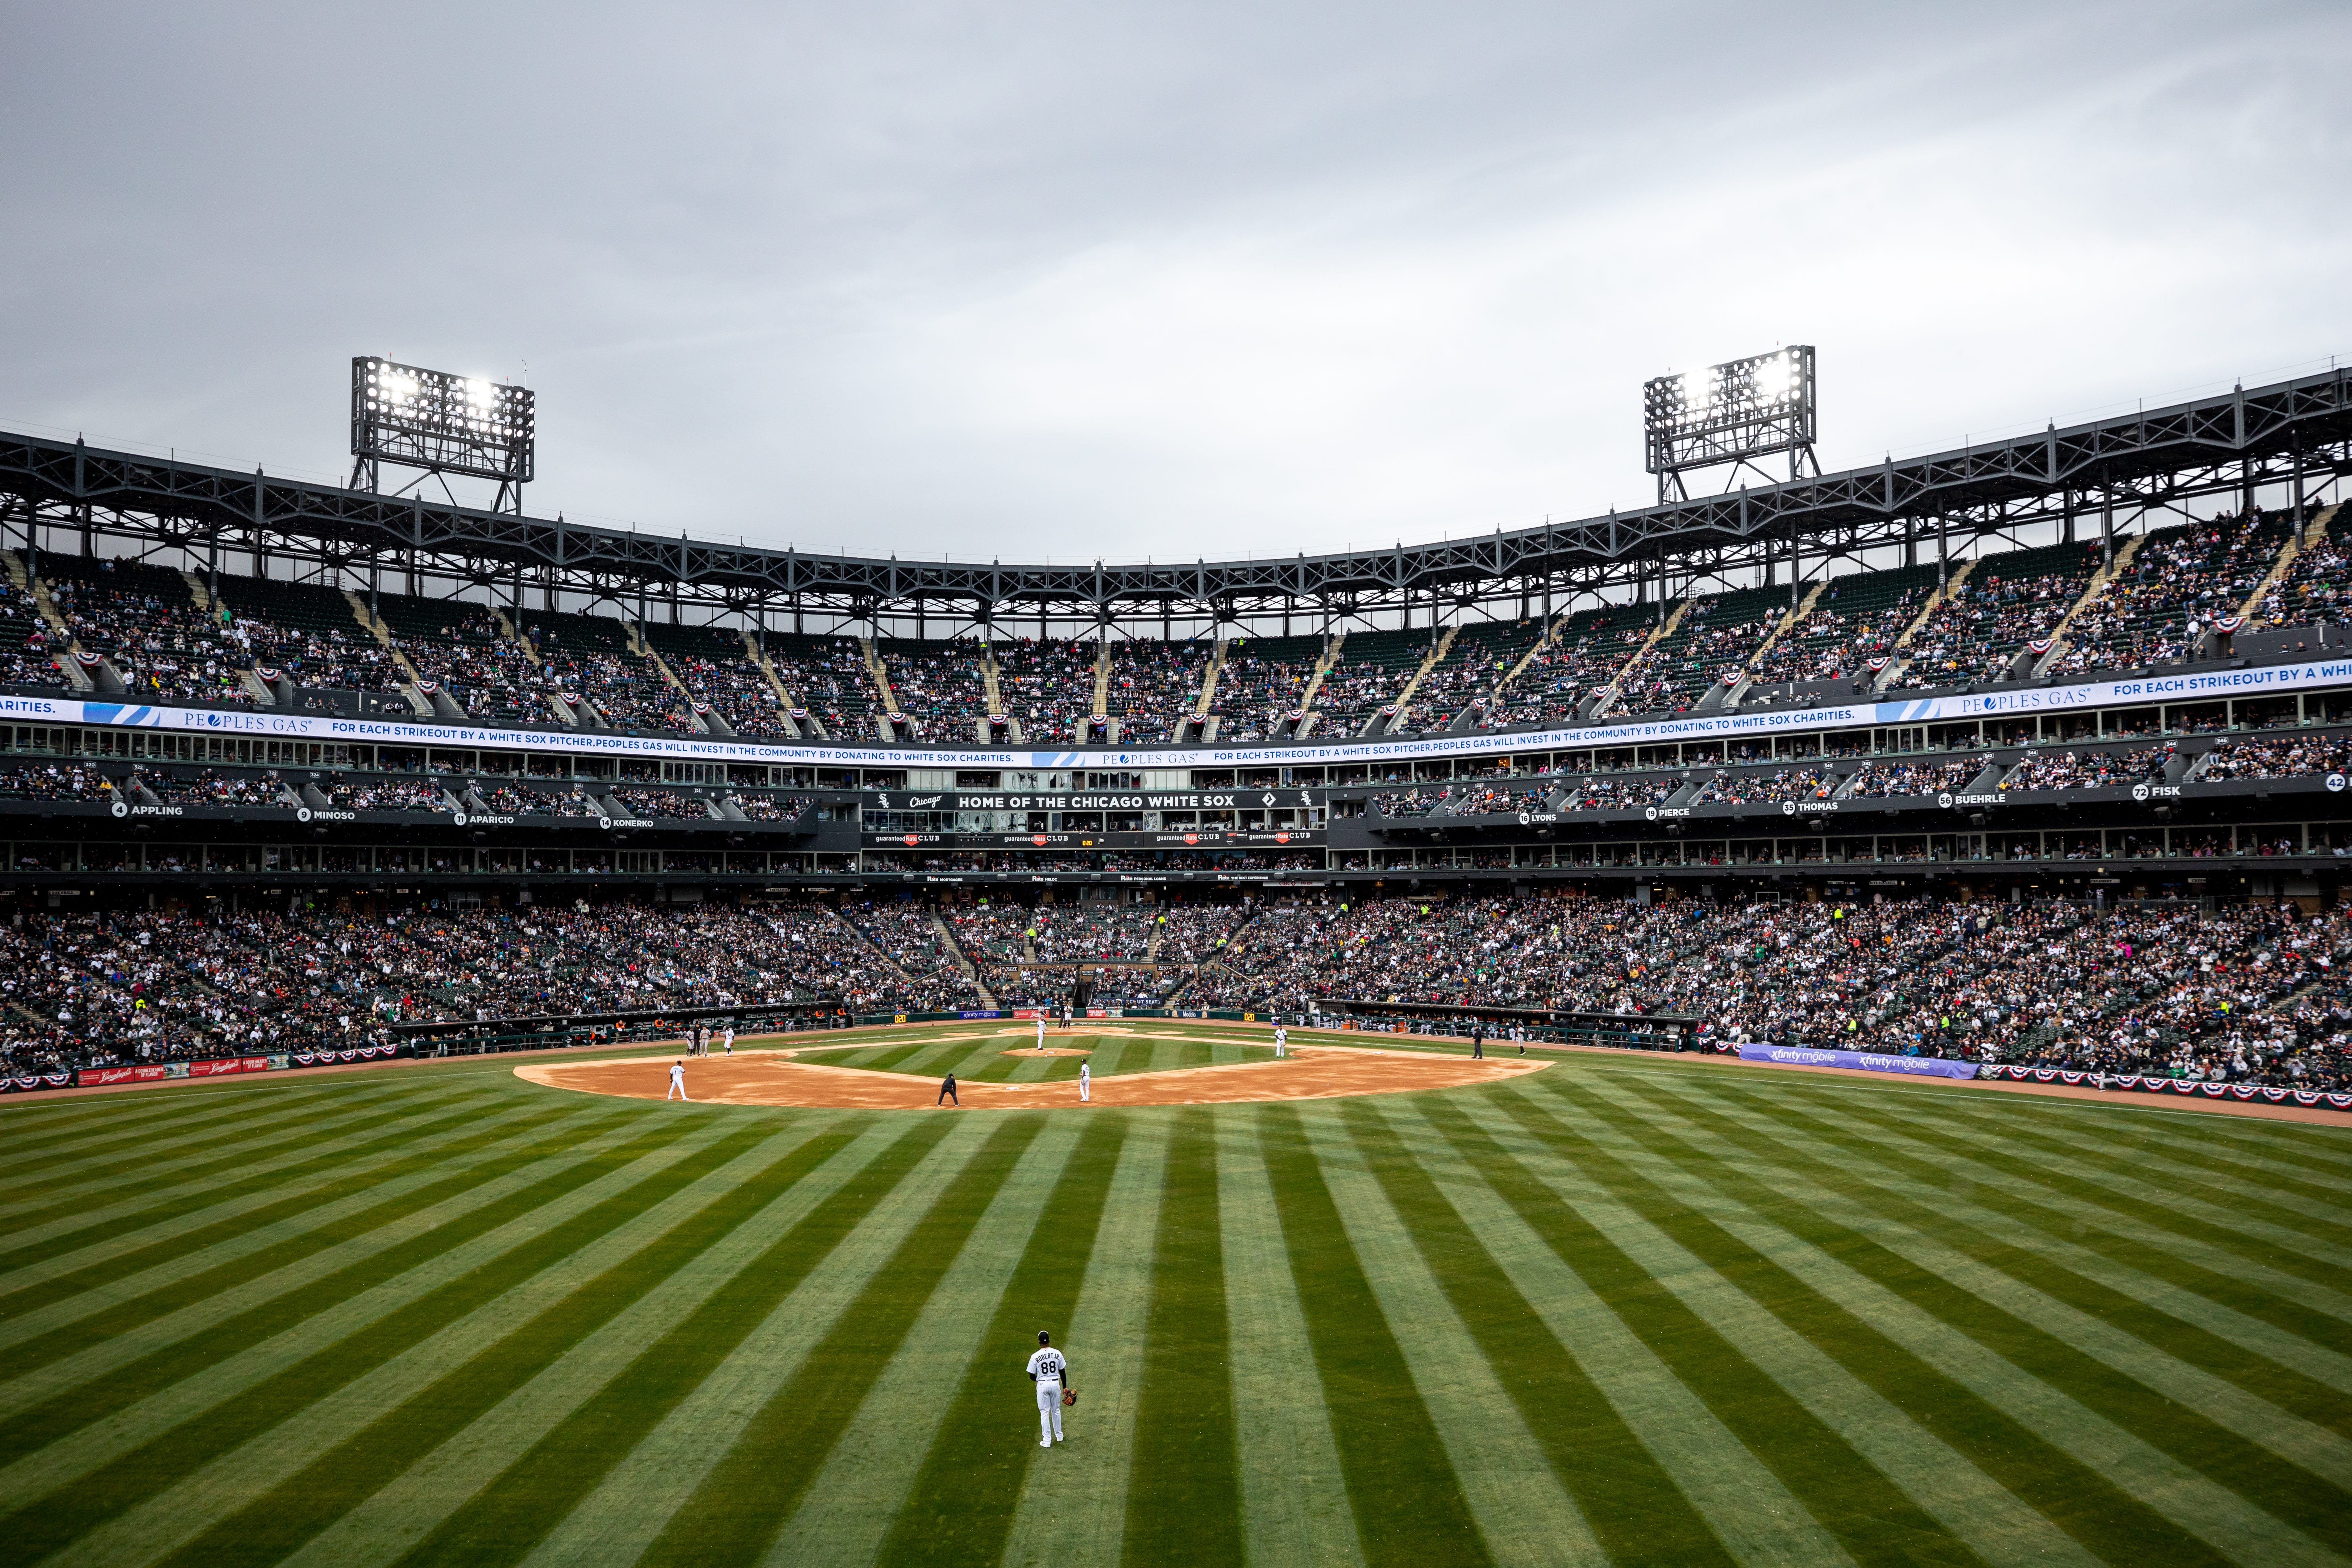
442, 424
1731, 412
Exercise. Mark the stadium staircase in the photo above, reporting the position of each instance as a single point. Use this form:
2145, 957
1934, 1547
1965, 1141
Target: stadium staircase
759, 661
1664, 630
1436, 652
1102, 683
414, 689
962, 960
2098, 585
1936, 600
2298, 541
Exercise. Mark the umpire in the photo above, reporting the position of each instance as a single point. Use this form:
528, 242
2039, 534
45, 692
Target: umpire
948, 1093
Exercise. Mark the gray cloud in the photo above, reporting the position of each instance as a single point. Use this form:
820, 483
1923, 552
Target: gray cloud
1172, 280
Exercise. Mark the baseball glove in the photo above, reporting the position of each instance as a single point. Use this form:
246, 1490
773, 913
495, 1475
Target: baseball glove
1069, 1396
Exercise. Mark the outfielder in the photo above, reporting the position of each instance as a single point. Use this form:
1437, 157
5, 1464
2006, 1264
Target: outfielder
1049, 1372
676, 1081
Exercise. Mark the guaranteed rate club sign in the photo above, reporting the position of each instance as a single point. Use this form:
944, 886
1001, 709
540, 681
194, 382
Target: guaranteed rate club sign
2279, 679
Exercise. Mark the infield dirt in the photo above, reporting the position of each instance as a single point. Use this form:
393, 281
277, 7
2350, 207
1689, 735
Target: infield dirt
774, 1077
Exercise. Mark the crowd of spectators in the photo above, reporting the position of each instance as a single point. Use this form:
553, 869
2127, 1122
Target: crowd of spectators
670, 804
2252, 992
1155, 686
1756, 786
2318, 586
931, 980
1048, 685
1986, 621
1881, 780
210, 787
466, 655
1830, 643
2180, 582
1264, 681
2287, 756
826, 678
732, 687
589, 658
54, 781
27, 654
147, 986
938, 686
2047, 770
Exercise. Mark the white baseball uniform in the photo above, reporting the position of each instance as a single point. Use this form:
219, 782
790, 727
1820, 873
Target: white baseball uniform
1086, 1083
1281, 1041
676, 1082
730, 1039
1041, 1031
1046, 1366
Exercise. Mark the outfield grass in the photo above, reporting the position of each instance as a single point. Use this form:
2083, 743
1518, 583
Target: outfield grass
1627, 1309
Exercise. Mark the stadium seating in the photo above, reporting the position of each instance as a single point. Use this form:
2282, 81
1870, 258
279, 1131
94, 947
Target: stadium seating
144, 621
1370, 674
1155, 685
717, 670
589, 656
1264, 681
2180, 582
460, 649
2009, 602
1048, 686
1857, 619
1712, 642
826, 676
307, 631
939, 685
1481, 654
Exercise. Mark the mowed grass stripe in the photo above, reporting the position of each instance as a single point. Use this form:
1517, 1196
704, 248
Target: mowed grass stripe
1628, 1499
2241, 1471
233, 1131
847, 1511
1799, 1142
62, 1443
120, 1292
2155, 1252
956, 1510
254, 1313
1184, 1491
1294, 1491
604, 1483
392, 1518
1515, 1499
2080, 1500
1871, 1518
1759, 1521
309, 1500
151, 1149
1074, 1510
2264, 1161
80, 1514
736, 1510
1407, 1502
217, 1191
2251, 1230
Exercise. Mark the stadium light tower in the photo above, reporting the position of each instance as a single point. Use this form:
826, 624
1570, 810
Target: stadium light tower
1732, 412
442, 425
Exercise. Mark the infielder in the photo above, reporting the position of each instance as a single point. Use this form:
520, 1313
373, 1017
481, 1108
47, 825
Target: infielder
1048, 1370
1041, 1031
1086, 1083
1281, 1041
676, 1081
730, 1039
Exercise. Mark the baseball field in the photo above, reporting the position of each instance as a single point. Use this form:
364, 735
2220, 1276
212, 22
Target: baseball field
1621, 1308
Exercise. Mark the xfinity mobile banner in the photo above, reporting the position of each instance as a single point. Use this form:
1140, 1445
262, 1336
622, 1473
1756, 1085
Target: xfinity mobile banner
1868, 1061
2011, 702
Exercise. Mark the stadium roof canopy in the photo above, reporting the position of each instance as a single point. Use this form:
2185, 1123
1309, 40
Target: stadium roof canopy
2286, 433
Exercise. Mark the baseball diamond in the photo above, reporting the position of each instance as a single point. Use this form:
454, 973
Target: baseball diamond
1625, 1309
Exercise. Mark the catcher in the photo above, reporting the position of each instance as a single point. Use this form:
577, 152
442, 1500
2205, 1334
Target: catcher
1051, 1374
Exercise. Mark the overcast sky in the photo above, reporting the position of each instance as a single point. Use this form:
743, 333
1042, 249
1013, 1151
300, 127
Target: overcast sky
1028, 281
